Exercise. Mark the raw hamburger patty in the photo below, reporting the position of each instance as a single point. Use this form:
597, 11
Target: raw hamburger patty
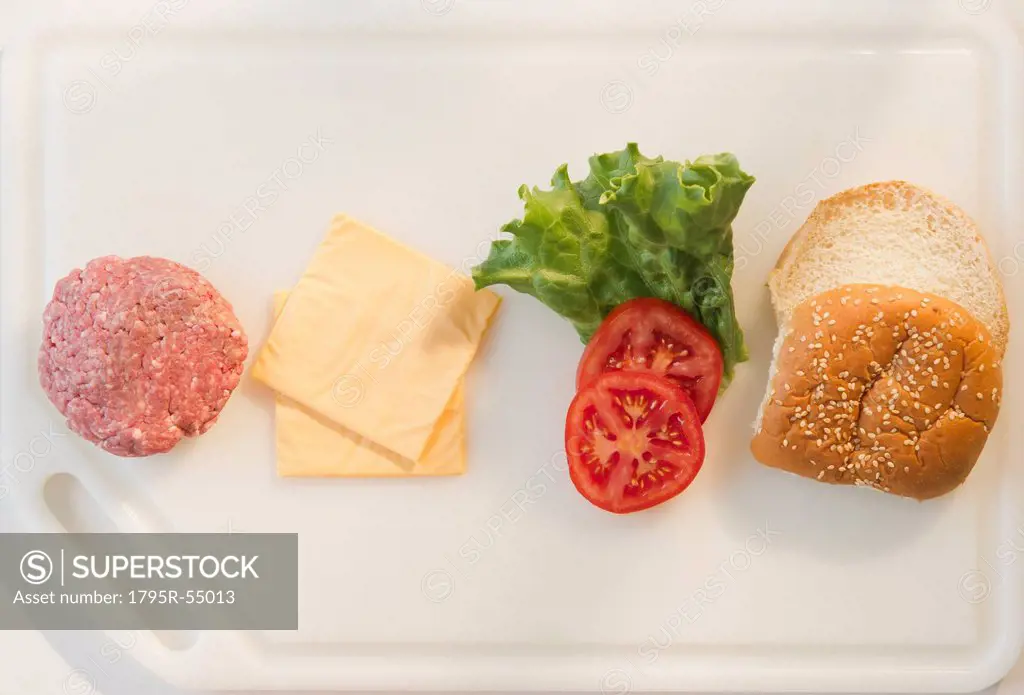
139, 353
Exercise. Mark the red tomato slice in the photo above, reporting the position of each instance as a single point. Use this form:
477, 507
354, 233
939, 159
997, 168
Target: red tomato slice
656, 336
633, 440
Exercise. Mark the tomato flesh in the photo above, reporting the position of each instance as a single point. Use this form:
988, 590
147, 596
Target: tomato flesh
655, 336
633, 440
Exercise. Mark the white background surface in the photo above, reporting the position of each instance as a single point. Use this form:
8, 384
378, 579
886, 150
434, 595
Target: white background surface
36, 668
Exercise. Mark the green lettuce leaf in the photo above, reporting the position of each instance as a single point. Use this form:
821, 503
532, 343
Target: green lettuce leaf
634, 227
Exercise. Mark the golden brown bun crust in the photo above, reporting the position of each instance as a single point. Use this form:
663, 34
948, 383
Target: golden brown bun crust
885, 387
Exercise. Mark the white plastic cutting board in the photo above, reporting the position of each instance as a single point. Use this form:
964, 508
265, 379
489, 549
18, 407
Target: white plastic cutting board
429, 115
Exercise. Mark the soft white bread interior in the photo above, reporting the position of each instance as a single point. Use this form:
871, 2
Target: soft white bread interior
892, 233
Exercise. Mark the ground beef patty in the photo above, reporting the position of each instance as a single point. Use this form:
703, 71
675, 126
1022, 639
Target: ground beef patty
138, 353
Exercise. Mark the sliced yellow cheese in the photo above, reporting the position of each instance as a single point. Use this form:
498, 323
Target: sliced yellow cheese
308, 445
375, 338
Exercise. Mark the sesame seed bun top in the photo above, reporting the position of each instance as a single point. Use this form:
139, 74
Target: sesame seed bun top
882, 386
